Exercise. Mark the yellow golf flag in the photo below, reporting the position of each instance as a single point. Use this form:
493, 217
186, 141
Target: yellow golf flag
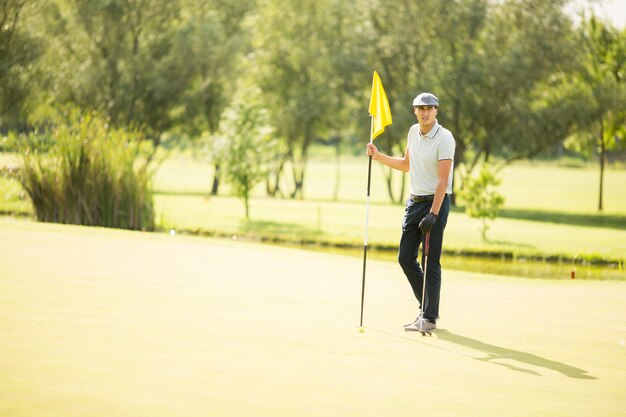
379, 107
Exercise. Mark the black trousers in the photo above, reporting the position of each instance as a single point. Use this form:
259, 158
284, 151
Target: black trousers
412, 239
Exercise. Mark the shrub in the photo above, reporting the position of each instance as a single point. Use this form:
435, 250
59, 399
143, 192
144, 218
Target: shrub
482, 200
245, 145
91, 175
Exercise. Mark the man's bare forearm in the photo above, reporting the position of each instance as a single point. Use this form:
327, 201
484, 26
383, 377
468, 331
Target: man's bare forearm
401, 164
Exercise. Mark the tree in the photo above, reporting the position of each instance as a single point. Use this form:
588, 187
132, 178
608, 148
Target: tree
297, 49
482, 200
488, 63
457, 75
19, 50
603, 79
216, 42
118, 57
347, 113
245, 144
521, 53
158, 65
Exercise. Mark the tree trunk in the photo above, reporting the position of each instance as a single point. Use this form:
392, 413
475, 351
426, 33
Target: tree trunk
298, 179
602, 162
299, 164
337, 167
216, 180
156, 140
389, 181
273, 189
459, 158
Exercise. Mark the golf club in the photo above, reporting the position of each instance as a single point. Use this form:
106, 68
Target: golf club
426, 241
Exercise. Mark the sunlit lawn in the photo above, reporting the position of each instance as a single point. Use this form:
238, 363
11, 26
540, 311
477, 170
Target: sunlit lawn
528, 186
344, 223
549, 210
104, 323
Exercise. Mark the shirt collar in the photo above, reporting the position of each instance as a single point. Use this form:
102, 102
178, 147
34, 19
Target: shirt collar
433, 130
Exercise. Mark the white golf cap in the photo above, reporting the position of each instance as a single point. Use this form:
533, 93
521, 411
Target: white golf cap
426, 99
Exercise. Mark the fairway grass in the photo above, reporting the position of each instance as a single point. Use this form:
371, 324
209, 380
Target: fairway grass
525, 185
97, 322
549, 214
550, 211
342, 224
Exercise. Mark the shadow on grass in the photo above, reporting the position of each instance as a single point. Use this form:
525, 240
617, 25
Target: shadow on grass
494, 354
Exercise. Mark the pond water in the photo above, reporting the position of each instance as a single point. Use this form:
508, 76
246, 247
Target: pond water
509, 267
535, 269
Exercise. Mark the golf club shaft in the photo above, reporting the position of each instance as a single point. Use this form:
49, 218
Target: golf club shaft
426, 243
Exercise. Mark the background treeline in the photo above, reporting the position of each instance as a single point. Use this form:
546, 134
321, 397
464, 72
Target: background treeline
515, 77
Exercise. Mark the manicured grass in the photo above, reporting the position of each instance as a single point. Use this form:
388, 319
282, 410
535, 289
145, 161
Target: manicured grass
549, 211
527, 187
542, 187
615, 221
99, 322
343, 224
541, 218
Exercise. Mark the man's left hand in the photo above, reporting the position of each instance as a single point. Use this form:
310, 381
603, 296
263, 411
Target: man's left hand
428, 222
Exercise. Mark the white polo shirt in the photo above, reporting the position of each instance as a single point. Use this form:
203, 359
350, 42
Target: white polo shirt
425, 152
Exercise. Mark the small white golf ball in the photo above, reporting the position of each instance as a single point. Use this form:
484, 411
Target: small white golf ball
172, 232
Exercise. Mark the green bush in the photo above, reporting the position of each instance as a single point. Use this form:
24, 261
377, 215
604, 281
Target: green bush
92, 175
482, 200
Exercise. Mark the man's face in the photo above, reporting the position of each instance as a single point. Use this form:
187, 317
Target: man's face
426, 116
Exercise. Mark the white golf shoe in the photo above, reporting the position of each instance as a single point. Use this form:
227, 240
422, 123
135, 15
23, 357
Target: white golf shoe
418, 318
421, 325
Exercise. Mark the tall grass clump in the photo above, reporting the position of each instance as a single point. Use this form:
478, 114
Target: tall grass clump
91, 175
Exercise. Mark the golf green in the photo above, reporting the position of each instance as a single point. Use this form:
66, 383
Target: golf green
97, 322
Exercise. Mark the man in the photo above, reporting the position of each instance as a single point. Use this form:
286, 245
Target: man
429, 158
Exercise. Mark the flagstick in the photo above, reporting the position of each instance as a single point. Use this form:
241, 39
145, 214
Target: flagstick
367, 213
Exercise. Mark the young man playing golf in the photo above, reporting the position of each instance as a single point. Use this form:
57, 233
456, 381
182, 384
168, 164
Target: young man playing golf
429, 158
